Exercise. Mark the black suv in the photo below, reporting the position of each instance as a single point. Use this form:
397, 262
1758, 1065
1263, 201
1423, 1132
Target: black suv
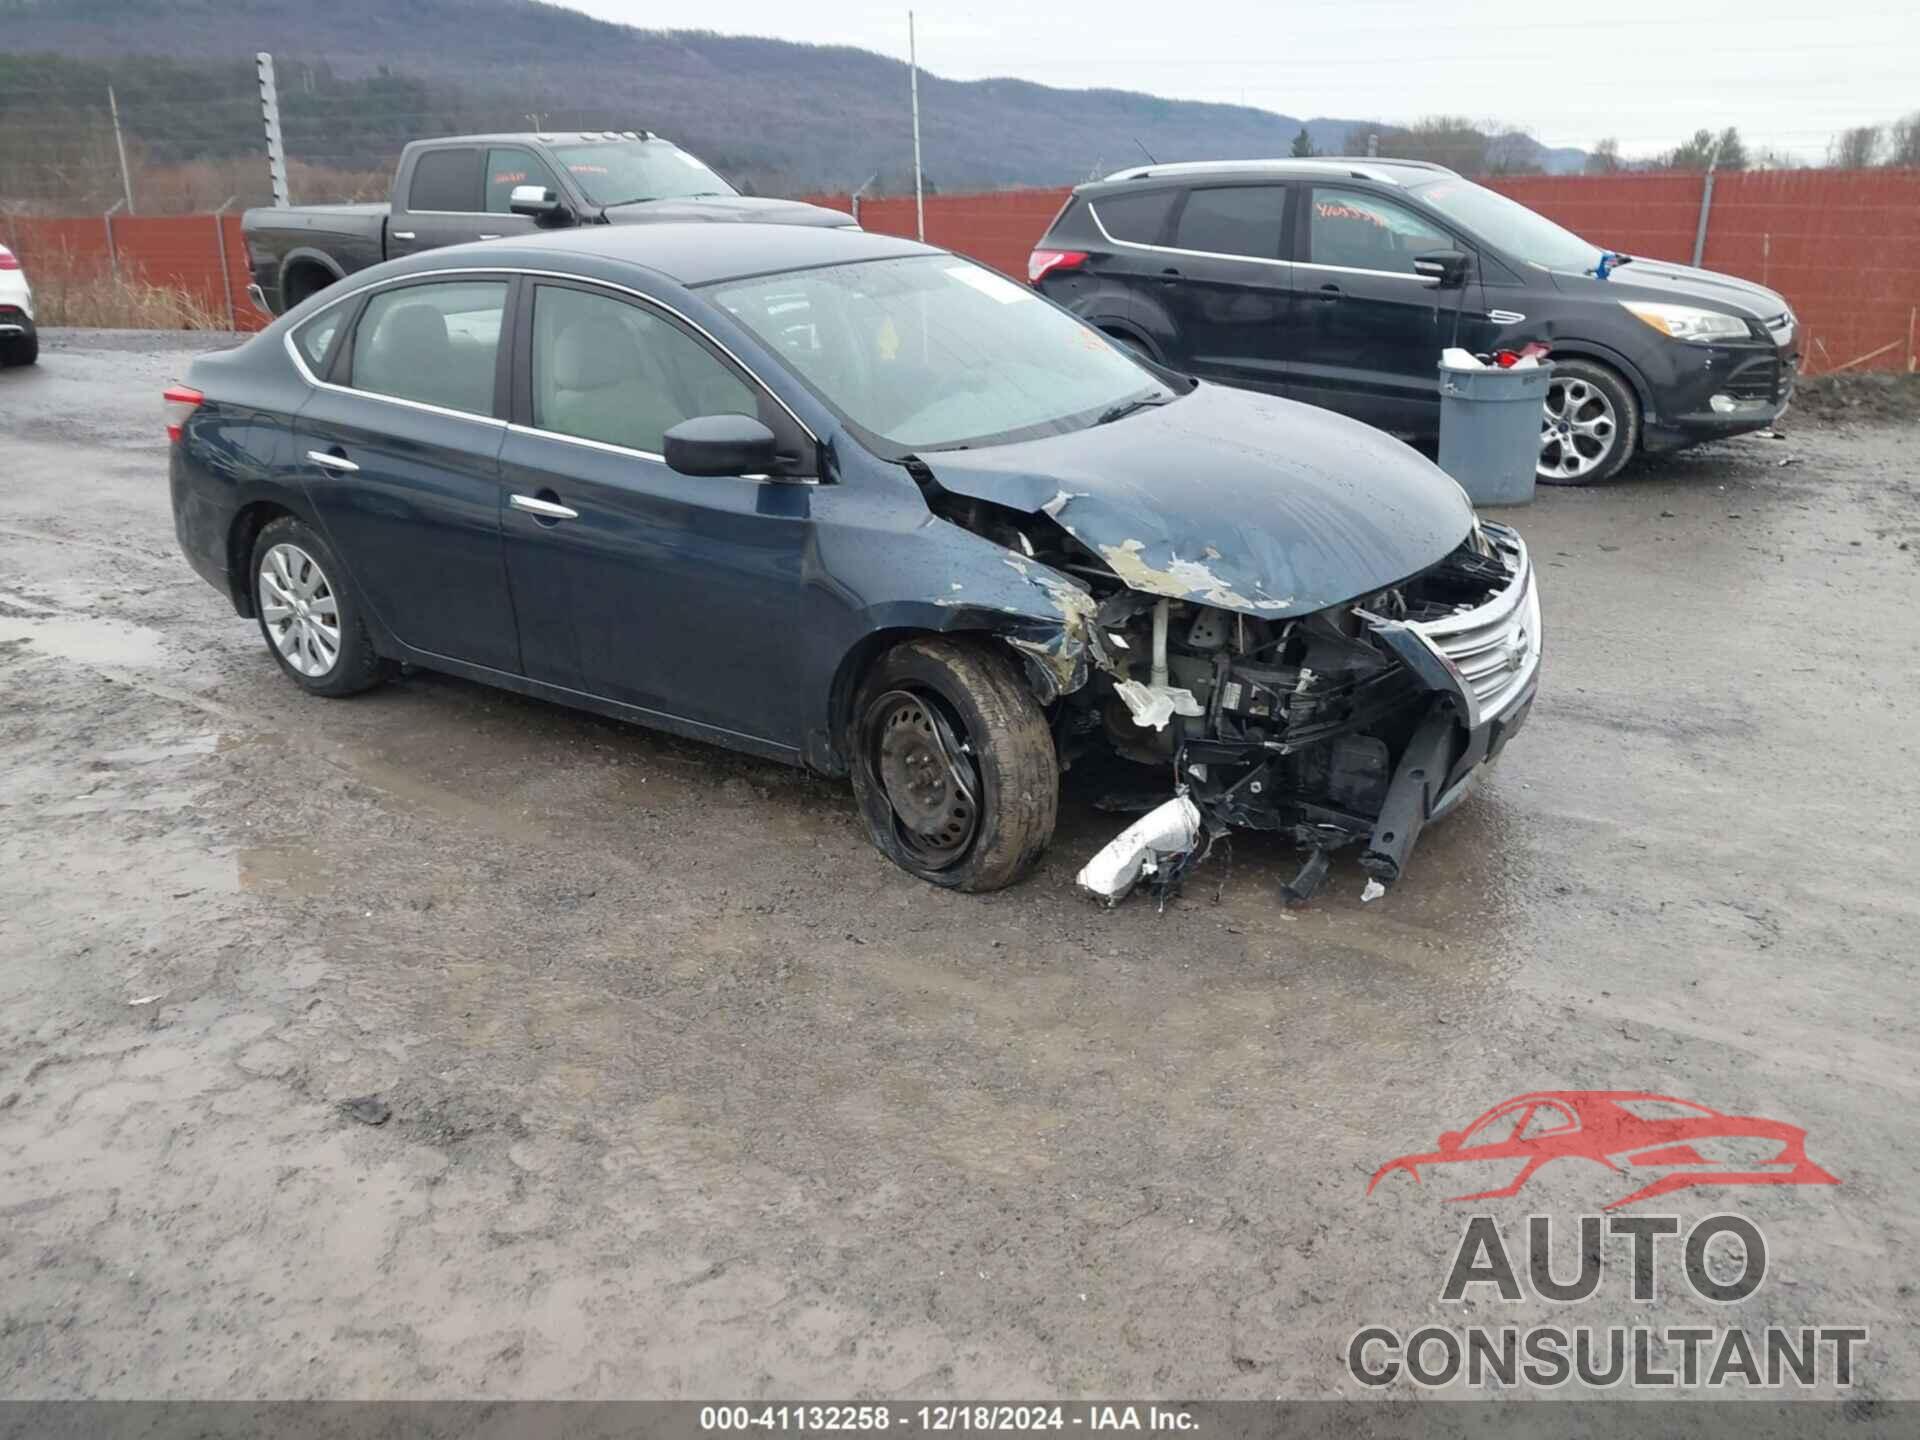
1339, 282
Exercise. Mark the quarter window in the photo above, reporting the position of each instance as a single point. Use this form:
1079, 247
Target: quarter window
508, 168
432, 343
1235, 220
446, 180
1364, 232
1137, 218
315, 337
618, 373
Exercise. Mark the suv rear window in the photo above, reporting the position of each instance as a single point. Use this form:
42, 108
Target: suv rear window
446, 180
1138, 218
1236, 220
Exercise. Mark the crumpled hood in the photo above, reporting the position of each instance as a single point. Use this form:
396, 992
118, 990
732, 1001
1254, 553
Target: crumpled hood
751, 208
1232, 499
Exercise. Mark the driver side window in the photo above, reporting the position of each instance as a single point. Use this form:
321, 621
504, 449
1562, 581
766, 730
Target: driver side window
1363, 232
619, 373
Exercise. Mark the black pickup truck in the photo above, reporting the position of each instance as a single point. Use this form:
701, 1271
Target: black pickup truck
481, 187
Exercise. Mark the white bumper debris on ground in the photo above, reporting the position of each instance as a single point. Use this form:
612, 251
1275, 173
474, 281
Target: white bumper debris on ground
1145, 847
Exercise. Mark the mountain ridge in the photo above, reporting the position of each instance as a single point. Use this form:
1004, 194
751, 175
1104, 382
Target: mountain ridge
361, 76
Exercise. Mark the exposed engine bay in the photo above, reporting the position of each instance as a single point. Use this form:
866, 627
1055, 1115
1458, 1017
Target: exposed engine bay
1354, 724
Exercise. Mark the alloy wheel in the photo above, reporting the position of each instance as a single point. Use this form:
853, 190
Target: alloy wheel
1577, 430
300, 609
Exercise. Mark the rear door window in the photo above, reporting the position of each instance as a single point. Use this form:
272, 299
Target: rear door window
1140, 219
1233, 220
1363, 232
511, 167
435, 344
446, 180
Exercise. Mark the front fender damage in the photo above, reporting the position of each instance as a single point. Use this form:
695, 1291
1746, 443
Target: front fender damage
1218, 651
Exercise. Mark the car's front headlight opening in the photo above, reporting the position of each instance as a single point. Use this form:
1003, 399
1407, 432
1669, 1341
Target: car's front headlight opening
1684, 322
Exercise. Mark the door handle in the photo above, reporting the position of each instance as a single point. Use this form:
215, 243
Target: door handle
494, 236
1171, 273
1328, 292
333, 461
403, 234
545, 509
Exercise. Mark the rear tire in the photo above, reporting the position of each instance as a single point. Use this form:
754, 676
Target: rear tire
309, 616
22, 350
1590, 427
953, 764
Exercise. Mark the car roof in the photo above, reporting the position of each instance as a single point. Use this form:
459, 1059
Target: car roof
528, 137
1386, 172
700, 253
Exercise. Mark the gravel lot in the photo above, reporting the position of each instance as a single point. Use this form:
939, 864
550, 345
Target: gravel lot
692, 1093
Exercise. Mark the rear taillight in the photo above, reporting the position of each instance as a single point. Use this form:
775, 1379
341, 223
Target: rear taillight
8, 260
1044, 262
180, 401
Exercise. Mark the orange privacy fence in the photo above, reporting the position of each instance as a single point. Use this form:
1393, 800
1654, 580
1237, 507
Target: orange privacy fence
1842, 246
180, 252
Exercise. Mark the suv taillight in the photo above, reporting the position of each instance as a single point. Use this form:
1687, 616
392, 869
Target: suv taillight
8, 260
1042, 263
180, 401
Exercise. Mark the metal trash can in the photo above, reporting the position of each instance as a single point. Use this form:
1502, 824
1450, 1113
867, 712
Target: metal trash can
1490, 430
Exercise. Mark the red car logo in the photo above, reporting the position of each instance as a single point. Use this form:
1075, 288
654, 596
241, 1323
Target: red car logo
1630, 1132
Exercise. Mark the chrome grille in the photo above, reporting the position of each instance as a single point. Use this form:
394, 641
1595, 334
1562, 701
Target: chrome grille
1493, 647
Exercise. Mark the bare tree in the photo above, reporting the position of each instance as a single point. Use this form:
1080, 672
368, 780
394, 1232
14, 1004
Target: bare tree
1903, 141
1604, 158
1855, 148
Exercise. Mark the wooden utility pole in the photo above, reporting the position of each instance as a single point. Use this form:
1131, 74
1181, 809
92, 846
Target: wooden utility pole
120, 144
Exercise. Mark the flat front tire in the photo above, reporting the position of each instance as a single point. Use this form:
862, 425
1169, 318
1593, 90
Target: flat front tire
308, 615
953, 764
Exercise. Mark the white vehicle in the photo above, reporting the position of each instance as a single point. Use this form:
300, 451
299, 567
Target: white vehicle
19, 342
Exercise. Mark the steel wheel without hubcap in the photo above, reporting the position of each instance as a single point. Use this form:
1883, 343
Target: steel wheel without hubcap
927, 770
1578, 430
300, 610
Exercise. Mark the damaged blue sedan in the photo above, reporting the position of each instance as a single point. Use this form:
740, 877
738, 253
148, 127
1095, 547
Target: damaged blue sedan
856, 504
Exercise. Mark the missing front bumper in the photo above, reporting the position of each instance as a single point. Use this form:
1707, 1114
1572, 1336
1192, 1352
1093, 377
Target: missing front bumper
1401, 753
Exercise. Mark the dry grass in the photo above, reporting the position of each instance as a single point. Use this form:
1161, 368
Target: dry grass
70, 291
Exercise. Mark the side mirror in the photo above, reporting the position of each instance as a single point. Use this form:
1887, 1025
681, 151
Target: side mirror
537, 202
1450, 1142
1448, 269
721, 445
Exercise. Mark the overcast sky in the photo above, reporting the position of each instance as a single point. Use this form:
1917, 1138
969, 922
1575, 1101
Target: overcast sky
1788, 72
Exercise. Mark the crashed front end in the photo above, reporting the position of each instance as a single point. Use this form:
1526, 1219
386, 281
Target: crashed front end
1354, 725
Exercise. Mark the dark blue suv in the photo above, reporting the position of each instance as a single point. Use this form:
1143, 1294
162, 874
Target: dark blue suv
1339, 282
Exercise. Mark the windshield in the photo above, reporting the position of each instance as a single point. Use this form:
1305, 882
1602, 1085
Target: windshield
1510, 225
931, 352
614, 172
